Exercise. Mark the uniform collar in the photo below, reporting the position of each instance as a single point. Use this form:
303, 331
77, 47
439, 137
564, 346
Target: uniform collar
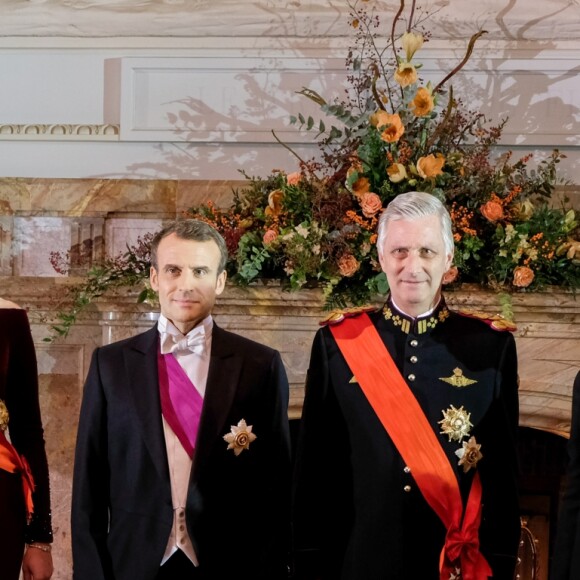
424, 323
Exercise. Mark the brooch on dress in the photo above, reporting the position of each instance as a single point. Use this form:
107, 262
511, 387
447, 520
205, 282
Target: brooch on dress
240, 437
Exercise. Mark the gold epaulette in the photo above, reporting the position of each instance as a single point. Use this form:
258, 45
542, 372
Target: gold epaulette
337, 316
495, 321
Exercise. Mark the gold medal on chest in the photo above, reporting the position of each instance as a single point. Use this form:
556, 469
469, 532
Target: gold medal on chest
455, 423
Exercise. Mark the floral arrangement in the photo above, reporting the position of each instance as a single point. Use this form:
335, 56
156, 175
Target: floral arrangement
393, 133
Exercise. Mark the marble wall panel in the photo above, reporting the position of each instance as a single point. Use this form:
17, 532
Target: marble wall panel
34, 239
87, 244
120, 232
6, 228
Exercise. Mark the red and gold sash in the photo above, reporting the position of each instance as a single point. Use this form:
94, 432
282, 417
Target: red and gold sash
404, 420
12, 462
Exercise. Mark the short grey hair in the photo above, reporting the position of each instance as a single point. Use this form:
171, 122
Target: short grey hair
414, 205
194, 230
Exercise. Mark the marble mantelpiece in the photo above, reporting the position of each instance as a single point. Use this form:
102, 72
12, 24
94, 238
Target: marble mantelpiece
548, 334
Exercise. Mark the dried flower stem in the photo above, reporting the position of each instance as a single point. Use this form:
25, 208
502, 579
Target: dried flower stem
302, 162
467, 56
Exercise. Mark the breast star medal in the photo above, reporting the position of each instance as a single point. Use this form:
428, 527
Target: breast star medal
469, 454
3, 416
240, 437
455, 423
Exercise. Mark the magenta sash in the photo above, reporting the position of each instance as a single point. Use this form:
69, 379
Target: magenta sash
181, 402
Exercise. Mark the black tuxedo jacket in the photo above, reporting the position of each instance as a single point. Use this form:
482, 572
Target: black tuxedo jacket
237, 506
359, 514
566, 560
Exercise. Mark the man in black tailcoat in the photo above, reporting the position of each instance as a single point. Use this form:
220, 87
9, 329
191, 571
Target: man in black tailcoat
182, 457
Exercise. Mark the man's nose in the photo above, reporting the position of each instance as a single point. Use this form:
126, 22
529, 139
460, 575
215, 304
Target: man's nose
413, 263
187, 280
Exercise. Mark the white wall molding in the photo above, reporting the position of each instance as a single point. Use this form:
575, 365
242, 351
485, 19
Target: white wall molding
58, 132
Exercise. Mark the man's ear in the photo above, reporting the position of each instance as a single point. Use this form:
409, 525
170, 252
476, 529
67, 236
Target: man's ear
154, 279
449, 261
221, 283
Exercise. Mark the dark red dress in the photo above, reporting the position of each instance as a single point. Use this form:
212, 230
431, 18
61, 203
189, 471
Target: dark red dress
19, 391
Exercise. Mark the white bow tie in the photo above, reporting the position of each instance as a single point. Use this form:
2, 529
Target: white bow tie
192, 342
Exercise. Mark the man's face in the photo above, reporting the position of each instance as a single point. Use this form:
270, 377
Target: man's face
186, 279
413, 258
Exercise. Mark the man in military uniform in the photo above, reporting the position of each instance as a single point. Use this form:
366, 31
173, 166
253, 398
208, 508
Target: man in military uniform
406, 464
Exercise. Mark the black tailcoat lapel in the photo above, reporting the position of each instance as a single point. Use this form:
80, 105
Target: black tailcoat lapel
223, 376
142, 374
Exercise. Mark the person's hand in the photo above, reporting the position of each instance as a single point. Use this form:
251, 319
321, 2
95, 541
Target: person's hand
36, 564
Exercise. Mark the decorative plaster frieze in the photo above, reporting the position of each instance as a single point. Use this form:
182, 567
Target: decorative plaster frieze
59, 132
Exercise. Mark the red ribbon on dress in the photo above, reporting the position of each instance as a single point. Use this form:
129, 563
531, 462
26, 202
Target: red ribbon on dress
404, 420
13, 462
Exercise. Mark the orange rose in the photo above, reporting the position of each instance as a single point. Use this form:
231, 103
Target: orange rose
293, 178
450, 275
269, 237
396, 172
523, 276
423, 103
347, 265
275, 202
492, 211
370, 204
360, 186
405, 74
430, 166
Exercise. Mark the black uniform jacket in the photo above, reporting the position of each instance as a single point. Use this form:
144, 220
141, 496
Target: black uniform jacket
566, 559
358, 514
237, 506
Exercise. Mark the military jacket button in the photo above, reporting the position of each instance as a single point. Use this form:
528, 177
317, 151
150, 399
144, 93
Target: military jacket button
413, 359
407, 469
411, 377
414, 342
407, 488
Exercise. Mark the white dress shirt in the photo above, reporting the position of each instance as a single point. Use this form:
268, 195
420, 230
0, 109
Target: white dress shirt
196, 367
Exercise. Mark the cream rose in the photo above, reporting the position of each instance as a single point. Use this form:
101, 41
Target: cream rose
396, 172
